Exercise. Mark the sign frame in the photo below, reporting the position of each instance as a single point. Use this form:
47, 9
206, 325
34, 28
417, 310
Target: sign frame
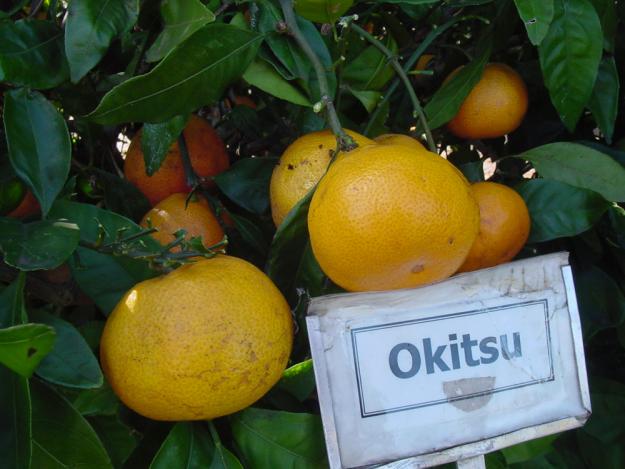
470, 450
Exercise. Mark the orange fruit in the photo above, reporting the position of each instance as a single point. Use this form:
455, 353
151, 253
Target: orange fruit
504, 226
28, 207
300, 167
206, 340
173, 214
494, 107
244, 101
207, 153
391, 216
399, 139
423, 62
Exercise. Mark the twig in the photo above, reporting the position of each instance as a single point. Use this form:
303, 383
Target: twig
418, 110
191, 177
344, 141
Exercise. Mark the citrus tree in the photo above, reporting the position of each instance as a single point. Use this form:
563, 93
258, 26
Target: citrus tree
101, 190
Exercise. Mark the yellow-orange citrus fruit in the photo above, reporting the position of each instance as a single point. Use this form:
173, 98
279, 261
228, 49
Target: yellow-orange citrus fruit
494, 107
206, 340
390, 216
28, 207
300, 167
173, 214
504, 226
399, 139
423, 62
207, 153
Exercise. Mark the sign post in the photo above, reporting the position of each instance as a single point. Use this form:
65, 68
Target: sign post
451, 371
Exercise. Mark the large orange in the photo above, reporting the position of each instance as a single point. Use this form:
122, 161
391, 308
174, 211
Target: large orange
173, 214
207, 153
300, 167
494, 107
398, 139
206, 340
504, 226
391, 216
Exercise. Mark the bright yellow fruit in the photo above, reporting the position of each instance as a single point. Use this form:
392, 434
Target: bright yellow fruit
504, 226
495, 106
399, 139
300, 167
390, 216
203, 341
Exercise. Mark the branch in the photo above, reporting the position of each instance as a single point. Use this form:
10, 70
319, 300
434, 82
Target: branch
344, 141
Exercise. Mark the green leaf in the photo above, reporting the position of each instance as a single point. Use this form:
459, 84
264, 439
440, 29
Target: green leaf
558, 210
121, 196
536, 16
601, 301
369, 99
246, 183
90, 28
569, 57
262, 76
187, 445
529, 450
90, 267
446, 102
156, 140
181, 19
299, 380
71, 362
251, 234
94, 402
194, 74
607, 423
119, 439
31, 54
579, 166
62, 438
39, 146
15, 406
606, 9
473, 171
269, 439
288, 245
224, 459
38, 245
22, 347
371, 70
605, 97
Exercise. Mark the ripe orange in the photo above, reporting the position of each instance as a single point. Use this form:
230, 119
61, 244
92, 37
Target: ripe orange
244, 101
504, 226
207, 153
206, 340
28, 207
300, 167
391, 216
399, 139
495, 107
173, 214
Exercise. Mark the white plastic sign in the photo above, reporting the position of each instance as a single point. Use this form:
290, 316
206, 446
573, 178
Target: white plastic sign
449, 371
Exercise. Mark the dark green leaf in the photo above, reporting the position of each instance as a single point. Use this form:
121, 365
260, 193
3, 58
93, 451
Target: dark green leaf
604, 100
194, 74
528, 450
119, 439
579, 166
601, 301
22, 347
447, 100
71, 363
537, 16
31, 54
246, 183
37, 245
121, 196
606, 9
181, 19
569, 57
269, 439
299, 380
473, 171
100, 401
251, 234
309, 275
224, 459
371, 69
62, 438
90, 28
15, 406
90, 267
288, 245
369, 99
187, 445
558, 210
156, 139
39, 146
263, 76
